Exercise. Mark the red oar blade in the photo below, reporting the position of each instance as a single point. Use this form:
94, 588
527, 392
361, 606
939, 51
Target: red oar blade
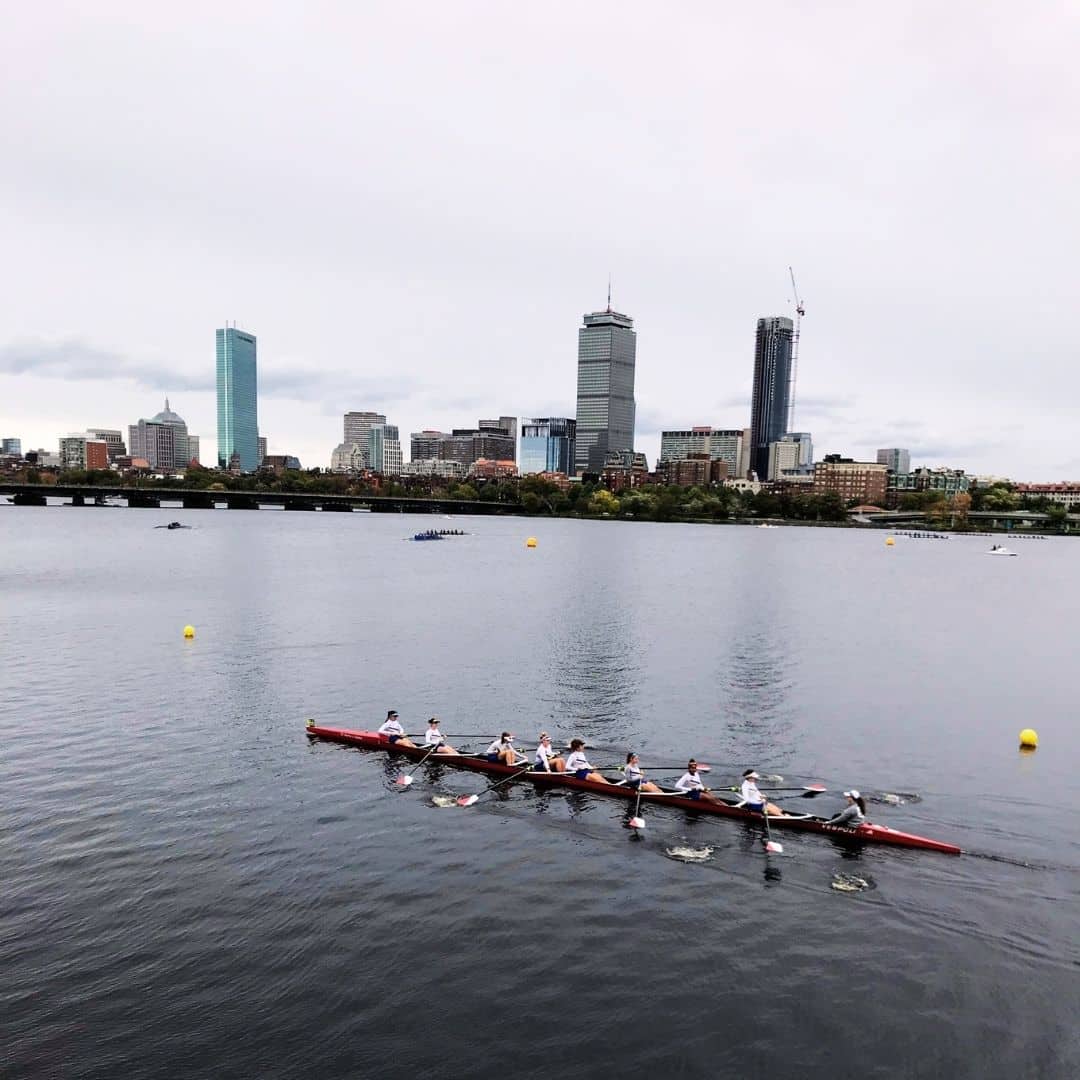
637, 823
774, 847
467, 800
403, 781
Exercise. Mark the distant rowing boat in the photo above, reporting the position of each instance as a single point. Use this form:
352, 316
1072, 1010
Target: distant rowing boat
873, 834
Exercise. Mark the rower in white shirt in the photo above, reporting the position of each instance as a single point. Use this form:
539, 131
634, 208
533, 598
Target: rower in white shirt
502, 751
547, 758
635, 778
433, 738
393, 730
578, 764
752, 798
690, 783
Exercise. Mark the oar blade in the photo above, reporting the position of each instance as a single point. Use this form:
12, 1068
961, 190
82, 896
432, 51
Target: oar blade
403, 781
811, 791
637, 823
468, 800
774, 847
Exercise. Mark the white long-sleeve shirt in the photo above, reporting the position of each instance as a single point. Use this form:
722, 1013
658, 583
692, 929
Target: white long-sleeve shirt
578, 760
544, 754
750, 793
632, 772
498, 746
433, 737
392, 727
689, 781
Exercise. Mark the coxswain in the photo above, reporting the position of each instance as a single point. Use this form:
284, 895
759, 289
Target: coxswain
635, 778
853, 815
690, 783
752, 799
547, 758
578, 764
502, 751
433, 739
393, 730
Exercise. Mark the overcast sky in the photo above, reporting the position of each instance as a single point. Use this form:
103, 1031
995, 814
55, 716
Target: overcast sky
412, 204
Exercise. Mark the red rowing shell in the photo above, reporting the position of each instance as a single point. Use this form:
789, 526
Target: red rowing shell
875, 834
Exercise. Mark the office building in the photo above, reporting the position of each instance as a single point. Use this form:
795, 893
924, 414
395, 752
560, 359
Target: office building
1065, 493
193, 449
113, 439
82, 451
446, 470
791, 457
897, 460
719, 444
468, 445
261, 443
861, 482
607, 356
772, 387
237, 401
508, 425
948, 482
162, 441
424, 445
548, 445
12, 446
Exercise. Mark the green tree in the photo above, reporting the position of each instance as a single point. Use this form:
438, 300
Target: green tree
603, 503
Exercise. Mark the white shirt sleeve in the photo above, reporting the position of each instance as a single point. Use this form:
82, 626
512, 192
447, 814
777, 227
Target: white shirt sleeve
688, 782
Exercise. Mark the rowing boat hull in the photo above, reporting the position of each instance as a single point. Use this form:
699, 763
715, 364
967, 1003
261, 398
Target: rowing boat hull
874, 834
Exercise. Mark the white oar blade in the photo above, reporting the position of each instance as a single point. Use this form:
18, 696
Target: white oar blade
403, 781
467, 800
637, 823
774, 848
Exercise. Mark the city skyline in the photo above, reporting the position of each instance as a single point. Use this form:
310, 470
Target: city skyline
924, 226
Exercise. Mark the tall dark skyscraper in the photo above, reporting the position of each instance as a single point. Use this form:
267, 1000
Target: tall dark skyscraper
772, 385
607, 354
237, 399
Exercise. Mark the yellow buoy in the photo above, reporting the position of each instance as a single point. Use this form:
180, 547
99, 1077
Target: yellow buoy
531, 542
889, 541
1029, 738
189, 631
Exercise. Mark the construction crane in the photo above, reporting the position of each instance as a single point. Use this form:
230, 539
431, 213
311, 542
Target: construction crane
799, 312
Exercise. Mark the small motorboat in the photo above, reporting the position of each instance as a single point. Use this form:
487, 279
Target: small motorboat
173, 525
997, 549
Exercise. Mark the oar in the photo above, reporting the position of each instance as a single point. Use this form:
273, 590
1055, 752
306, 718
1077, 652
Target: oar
406, 778
468, 800
807, 791
811, 791
637, 822
661, 768
771, 845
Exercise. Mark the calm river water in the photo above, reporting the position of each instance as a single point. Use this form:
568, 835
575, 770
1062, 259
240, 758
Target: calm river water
188, 887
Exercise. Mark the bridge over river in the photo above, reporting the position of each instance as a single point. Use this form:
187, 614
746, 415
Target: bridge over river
201, 499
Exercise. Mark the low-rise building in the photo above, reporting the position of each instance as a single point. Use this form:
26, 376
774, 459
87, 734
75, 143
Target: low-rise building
719, 444
486, 469
1066, 493
695, 470
81, 451
624, 469
949, 482
447, 470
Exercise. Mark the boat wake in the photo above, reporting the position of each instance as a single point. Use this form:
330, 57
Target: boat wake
851, 883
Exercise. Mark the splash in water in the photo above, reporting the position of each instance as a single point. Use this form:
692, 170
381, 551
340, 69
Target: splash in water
849, 883
444, 800
689, 854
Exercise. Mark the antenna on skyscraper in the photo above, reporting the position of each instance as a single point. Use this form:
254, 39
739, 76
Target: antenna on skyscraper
609, 292
799, 312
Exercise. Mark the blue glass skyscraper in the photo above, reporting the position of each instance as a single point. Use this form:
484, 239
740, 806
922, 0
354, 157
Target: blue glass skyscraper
237, 400
548, 445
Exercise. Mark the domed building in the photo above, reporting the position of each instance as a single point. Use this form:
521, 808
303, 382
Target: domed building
164, 441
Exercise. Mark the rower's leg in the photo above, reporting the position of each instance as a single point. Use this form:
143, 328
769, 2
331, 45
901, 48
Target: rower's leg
557, 764
648, 785
596, 778
773, 810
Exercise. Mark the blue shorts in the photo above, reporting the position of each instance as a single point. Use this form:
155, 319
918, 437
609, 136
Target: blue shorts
582, 774
493, 758
633, 785
693, 793
393, 738
757, 807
